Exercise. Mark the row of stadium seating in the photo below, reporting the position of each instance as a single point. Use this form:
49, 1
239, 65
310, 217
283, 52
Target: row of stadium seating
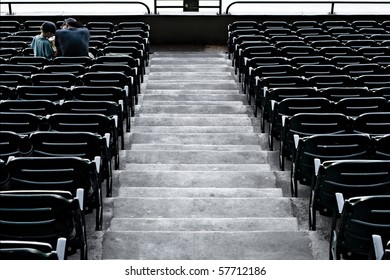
288, 71
54, 158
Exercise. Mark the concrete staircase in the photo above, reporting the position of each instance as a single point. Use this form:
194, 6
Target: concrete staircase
197, 181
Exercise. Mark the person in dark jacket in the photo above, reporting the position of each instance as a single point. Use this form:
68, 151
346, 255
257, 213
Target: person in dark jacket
72, 39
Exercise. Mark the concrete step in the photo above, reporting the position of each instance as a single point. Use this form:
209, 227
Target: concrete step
188, 54
195, 109
202, 85
197, 167
194, 157
191, 103
188, 76
190, 121
199, 192
168, 207
212, 61
190, 68
199, 179
197, 138
170, 96
149, 147
218, 245
189, 91
193, 129
204, 224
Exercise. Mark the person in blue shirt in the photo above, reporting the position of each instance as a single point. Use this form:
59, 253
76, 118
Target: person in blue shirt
72, 39
41, 44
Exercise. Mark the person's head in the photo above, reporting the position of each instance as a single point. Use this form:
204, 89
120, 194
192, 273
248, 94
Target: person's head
71, 22
48, 29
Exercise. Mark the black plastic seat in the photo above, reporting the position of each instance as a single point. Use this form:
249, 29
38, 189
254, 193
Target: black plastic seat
334, 23
37, 107
325, 43
32, 250
309, 31
344, 38
75, 144
279, 94
296, 25
6, 92
355, 177
52, 93
308, 60
37, 61
375, 123
370, 52
324, 147
13, 144
356, 70
360, 218
55, 215
324, 81
337, 93
382, 147
288, 107
308, 124
344, 60
10, 25
107, 108
266, 83
75, 69
25, 70
382, 60
373, 80
319, 69
54, 79
251, 52
294, 51
60, 173
72, 60
7, 53
94, 123
336, 51
100, 25
356, 106
383, 92
19, 122
14, 80
336, 31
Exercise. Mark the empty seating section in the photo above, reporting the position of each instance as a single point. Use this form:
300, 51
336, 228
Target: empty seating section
62, 126
322, 91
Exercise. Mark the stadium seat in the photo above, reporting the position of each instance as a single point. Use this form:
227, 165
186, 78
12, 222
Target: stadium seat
57, 214
31, 250
356, 106
337, 93
324, 147
60, 173
52, 93
355, 177
13, 144
307, 124
54, 79
360, 218
37, 107
19, 122
375, 123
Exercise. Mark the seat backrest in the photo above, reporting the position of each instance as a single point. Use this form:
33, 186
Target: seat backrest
328, 147
54, 79
72, 60
13, 144
373, 80
382, 147
6, 92
28, 60
26, 70
355, 106
298, 61
363, 216
319, 69
19, 122
43, 217
352, 178
37, 107
75, 69
52, 93
27, 250
338, 93
324, 81
13, 80
375, 123
355, 70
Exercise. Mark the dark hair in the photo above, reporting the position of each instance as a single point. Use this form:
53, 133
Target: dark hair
48, 26
73, 23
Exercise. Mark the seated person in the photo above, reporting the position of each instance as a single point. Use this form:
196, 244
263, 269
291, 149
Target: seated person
72, 39
41, 44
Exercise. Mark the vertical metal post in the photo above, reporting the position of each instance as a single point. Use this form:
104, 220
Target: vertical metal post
9, 9
155, 7
332, 9
220, 7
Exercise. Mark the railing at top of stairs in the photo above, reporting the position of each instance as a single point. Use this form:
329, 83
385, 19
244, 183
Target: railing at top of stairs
197, 4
